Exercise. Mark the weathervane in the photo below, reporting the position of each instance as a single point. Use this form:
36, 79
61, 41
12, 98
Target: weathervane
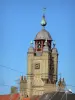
43, 22
44, 9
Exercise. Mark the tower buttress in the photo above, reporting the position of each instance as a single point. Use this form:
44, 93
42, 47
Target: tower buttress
23, 87
29, 70
55, 63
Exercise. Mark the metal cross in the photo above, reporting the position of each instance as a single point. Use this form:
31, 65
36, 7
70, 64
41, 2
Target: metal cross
44, 9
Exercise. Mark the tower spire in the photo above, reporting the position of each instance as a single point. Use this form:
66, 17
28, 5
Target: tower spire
43, 22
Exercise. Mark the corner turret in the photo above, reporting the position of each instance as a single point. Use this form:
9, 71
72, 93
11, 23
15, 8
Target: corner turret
23, 86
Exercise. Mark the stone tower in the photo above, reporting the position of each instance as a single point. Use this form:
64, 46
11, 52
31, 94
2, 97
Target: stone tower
42, 63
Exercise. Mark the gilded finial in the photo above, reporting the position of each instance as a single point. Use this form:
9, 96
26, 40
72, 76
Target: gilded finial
43, 22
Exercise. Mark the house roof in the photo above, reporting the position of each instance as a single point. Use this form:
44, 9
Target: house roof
35, 97
8, 97
57, 96
26, 98
46, 96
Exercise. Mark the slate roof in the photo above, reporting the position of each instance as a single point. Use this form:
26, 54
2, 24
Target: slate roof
57, 96
43, 34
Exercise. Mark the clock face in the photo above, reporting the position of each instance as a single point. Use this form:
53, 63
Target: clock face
37, 66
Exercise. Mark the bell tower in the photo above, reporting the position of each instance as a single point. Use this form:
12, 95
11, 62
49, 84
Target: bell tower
42, 62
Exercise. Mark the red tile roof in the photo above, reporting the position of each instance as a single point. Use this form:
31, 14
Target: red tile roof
33, 98
26, 99
4, 97
16, 97
7, 97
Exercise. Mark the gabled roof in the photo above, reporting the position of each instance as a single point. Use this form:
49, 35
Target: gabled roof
10, 97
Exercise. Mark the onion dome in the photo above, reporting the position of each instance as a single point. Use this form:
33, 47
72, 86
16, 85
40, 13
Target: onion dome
31, 49
43, 35
43, 22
